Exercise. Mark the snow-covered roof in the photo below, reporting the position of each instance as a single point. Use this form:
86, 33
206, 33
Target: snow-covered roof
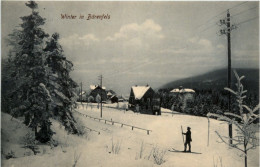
109, 94
82, 93
92, 87
186, 90
113, 96
139, 91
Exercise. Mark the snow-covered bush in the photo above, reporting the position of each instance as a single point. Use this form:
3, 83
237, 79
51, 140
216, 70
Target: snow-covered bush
81, 128
218, 161
246, 138
90, 99
98, 98
139, 155
76, 158
158, 155
9, 155
115, 147
124, 106
28, 141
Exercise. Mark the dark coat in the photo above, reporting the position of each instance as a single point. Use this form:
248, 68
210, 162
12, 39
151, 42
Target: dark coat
188, 136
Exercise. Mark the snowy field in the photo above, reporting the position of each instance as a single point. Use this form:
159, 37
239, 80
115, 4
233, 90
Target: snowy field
133, 146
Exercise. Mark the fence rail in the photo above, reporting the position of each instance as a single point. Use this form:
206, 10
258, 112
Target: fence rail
91, 129
113, 122
89, 105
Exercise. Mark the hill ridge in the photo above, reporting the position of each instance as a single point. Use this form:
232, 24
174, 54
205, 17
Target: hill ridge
217, 79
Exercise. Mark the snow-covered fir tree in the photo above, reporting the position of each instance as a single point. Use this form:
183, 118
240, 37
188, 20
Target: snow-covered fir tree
30, 96
245, 122
60, 84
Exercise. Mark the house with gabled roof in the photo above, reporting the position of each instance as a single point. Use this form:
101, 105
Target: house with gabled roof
183, 95
185, 92
97, 90
142, 99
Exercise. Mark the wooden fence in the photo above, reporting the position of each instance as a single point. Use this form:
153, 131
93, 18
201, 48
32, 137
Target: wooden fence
106, 106
115, 122
91, 129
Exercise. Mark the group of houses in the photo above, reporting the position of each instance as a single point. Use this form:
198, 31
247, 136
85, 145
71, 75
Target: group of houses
96, 93
142, 99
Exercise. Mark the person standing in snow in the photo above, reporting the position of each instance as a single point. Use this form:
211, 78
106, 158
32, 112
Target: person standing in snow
188, 139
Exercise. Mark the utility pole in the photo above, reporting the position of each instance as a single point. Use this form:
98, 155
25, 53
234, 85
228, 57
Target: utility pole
81, 92
100, 78
227, 31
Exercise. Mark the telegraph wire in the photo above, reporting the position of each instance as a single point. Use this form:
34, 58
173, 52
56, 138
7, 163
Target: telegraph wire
207, 28
245, 21
223, 12
143, 64
237, 5
244, 11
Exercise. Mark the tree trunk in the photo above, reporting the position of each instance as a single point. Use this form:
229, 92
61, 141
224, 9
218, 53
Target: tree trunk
35, 132
245, 158
245, 151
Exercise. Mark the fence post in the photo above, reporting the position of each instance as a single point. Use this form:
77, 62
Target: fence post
105, 121
132, 128
147, 132
122, 125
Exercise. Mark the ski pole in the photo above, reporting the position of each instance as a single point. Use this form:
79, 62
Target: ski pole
182, 135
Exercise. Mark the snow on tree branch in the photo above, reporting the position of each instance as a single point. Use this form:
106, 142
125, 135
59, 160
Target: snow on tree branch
244, 122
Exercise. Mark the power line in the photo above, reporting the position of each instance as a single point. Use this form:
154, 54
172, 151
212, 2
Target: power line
247, 20
207, 28
244, 11
133, 68
221, 13
143, 64
209, 20
149, 62
238, 5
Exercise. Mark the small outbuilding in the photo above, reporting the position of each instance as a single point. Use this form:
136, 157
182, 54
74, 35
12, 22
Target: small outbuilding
114, 99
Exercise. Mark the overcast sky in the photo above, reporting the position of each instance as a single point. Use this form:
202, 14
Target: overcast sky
145, 42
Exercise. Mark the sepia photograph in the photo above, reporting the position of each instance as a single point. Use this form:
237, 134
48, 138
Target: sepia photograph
129, 83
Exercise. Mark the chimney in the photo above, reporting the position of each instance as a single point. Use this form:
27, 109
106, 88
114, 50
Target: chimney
135, 85
147, 85
180, 87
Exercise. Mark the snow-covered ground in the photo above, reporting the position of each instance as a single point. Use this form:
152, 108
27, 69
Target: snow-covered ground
96, 149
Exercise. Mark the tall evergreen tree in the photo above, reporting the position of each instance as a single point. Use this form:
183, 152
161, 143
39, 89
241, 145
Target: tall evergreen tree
27, 58
60, 84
